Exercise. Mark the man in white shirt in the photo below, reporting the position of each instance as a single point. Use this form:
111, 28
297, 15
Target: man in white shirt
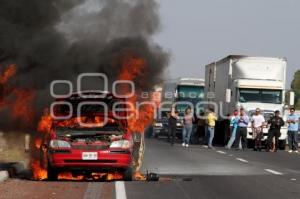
258, 121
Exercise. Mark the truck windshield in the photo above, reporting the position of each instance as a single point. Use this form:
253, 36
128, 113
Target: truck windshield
260, 95
189, 93
192, 92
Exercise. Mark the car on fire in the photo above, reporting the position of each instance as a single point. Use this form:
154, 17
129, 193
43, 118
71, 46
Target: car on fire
93, 138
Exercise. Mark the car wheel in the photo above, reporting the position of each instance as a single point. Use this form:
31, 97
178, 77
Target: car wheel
128, 174
52, 173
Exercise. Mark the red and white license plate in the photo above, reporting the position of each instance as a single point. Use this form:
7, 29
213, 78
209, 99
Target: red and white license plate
89, 156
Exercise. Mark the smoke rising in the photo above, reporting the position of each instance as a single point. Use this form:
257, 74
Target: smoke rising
59, 39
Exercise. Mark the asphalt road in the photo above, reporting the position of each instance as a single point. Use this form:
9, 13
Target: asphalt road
194, 172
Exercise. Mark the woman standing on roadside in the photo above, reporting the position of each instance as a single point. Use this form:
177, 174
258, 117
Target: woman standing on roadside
187, 127
173, 117
233, 127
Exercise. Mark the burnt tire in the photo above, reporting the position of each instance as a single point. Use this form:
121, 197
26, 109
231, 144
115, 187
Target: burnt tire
128, 173
52, 173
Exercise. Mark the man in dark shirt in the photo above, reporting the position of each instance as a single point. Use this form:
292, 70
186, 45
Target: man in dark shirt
276, 122
173, 117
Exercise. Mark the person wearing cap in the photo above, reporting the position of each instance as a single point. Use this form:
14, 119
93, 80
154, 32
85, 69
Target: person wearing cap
293, 122
241, 131
257, 121
275, 122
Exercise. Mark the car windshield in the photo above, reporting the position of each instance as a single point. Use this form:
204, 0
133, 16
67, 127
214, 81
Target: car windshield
260, 95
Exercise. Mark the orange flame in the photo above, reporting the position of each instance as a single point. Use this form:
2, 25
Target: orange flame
114, 176
38, 143
38, 172
69, 176
8, 73
45, 123
131, 69
21, 107
139, 176
17, 99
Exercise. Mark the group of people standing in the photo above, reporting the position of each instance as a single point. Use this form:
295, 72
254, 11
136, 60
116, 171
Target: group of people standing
189, 119
239, 122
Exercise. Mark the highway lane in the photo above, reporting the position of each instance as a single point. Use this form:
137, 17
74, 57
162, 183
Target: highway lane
194, 172
195, 160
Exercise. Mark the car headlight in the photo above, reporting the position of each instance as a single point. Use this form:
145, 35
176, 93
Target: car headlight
157, 124
59, 144
124, 144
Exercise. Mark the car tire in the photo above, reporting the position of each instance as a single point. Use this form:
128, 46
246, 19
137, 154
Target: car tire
128, 174
52, 173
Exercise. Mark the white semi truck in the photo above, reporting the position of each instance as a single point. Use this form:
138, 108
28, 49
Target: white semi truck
248, 82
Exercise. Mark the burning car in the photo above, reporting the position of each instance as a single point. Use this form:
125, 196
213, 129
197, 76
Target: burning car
88, 135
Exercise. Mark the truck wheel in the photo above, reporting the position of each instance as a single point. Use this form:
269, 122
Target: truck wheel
128, 174
52, 173
282, 144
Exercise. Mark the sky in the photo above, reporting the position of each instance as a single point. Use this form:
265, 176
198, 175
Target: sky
198, 32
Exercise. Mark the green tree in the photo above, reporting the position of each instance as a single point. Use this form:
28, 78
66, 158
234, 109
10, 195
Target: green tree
295, 86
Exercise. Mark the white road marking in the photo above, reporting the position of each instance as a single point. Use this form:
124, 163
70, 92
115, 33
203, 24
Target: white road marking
242, 160
120, 190
93, 190
273, 172
222, 152
293, 179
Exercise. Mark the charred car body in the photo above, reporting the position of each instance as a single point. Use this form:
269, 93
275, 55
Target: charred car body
94, 138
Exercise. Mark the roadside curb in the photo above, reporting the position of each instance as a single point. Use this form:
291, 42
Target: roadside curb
4, 175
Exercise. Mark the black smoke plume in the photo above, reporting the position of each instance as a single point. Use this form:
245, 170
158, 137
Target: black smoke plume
59, 39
